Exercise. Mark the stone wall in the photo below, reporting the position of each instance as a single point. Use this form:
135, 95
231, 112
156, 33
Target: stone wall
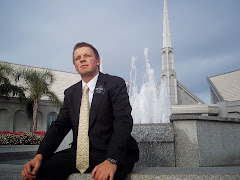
203, 141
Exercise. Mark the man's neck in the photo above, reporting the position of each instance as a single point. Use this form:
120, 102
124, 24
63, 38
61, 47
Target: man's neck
86, 79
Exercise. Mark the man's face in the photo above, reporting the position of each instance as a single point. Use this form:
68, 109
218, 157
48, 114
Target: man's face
86, 64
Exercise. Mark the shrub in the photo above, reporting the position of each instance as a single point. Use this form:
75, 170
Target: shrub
21, 138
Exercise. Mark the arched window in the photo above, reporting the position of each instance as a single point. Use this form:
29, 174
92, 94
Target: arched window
21, 122
5, 124
50, 118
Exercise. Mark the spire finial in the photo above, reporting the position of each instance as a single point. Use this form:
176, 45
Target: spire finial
166, 29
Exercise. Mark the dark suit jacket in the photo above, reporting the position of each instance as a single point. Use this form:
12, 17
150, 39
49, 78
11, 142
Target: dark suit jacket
110, 121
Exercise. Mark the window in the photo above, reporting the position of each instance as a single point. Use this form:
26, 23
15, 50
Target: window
50, 118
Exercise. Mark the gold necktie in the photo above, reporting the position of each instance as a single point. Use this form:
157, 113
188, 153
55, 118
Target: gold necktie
82, 160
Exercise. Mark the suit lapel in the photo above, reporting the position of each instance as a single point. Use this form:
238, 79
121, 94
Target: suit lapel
77, 100
97, 97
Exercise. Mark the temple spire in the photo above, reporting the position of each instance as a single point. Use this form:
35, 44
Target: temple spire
168, 72
166, 29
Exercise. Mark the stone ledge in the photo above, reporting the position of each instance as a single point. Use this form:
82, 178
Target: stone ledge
18, 148
159, 132
13, 172
209, 109
175, 173
204, 118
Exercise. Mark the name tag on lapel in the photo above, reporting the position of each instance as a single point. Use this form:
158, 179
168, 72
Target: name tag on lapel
99, 90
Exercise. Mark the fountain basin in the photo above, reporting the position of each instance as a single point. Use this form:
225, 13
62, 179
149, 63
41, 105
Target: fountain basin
156, 144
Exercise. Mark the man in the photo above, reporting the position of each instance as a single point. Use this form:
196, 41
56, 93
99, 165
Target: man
112, 150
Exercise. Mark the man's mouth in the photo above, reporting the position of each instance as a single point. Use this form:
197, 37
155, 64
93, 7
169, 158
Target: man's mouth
83, 66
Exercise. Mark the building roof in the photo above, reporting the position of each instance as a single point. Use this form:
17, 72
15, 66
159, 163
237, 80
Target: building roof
63, 80
226, 85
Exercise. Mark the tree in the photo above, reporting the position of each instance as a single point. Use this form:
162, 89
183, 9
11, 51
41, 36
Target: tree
37, 85
7, 77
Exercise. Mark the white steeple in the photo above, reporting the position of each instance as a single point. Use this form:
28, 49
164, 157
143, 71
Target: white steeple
166, 29
168, 72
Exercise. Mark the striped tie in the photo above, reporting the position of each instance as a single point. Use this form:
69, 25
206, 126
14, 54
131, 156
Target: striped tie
82, 161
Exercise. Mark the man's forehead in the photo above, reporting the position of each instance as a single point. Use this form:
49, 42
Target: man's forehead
84, 49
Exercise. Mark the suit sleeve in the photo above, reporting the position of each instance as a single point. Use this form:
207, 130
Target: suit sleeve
56, 132
122, 124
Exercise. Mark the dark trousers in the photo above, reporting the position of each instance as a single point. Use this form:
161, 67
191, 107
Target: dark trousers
63, 163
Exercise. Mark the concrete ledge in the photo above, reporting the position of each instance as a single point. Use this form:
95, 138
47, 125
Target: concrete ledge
13, 172
175, 173
18, 148
199, 109
200, 118
14, 153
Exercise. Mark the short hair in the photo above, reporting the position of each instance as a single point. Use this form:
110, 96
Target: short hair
84, 44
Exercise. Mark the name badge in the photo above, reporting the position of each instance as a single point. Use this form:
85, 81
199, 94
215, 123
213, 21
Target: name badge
100, 90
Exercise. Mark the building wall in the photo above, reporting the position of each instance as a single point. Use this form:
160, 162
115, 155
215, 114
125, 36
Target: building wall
184, 98
14, 118
229, 109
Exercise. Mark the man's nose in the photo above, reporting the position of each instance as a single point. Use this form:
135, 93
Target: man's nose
83, 60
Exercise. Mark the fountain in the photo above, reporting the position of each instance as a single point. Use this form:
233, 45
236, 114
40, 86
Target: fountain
152, 103
151, 110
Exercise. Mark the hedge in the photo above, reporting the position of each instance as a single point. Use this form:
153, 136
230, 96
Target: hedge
21, 138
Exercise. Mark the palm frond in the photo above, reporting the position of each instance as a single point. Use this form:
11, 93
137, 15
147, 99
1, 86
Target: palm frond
54, 99
7, 89
5, 72
38, 84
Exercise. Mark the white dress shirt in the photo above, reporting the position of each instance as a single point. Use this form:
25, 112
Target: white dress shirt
91, 85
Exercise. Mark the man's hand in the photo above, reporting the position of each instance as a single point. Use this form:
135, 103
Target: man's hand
30, 169
104, 171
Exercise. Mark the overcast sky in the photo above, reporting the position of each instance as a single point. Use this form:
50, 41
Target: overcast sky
205, 35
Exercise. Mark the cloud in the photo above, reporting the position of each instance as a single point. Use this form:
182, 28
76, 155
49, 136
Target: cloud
204, 35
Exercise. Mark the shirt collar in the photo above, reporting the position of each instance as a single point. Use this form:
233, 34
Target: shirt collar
91, 84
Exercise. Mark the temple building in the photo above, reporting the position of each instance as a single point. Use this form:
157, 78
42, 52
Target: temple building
224, 91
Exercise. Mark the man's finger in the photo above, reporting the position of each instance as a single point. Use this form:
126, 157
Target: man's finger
23, 175
28, 171
111, 176
97, 174
26, 176
27, 168
105, 177
35, 169
94, 171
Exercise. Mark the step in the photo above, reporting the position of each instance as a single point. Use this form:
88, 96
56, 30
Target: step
13, 172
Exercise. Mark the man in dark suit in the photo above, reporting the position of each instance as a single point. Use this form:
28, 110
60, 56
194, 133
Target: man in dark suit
112, 150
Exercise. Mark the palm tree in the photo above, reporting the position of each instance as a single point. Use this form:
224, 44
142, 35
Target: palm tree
38, 85
7, 76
